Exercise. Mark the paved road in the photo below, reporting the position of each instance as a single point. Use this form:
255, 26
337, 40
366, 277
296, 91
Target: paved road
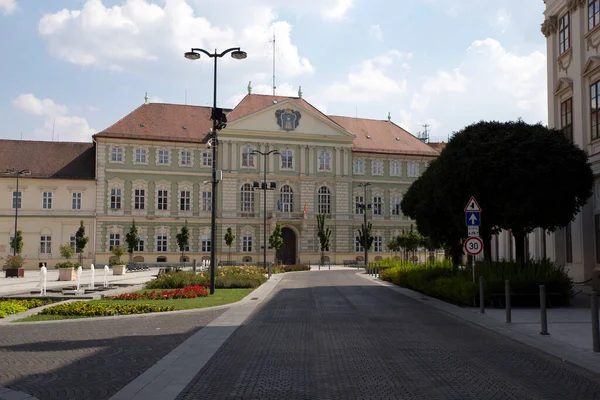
333, 335
90, 359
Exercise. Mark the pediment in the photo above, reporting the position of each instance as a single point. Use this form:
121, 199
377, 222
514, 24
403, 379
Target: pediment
591, 65
289, 118
562, 85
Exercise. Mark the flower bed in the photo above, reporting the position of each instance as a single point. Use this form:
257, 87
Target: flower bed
225, 277
85, 309
188, 292
12, 306
292, 268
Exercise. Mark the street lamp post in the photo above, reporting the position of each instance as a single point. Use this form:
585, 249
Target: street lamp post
364, 206
18, 198
219, 122
265, 154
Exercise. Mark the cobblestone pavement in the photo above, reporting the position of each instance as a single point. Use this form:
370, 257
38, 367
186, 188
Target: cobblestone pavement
334, 335
90, 359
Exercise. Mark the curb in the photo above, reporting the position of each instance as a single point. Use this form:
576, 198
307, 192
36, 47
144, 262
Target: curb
169, 376
566, 352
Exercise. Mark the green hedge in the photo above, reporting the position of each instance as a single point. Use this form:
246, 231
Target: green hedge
225, 278
439, 280
85, 309
292, 268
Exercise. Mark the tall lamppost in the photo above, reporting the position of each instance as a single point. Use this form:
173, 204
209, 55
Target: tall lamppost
18, 200
264, 188
219, 122
364, 206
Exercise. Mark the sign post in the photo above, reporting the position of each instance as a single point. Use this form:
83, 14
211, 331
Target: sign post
473, 245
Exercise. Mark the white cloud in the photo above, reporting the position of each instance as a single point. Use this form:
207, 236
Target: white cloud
65, 127
375, 31
140, 34
8, 6
336, 9
370, 81
491, 83
502, 19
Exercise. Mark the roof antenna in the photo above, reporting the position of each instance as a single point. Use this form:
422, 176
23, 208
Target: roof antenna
53, 125
249, 87
424, 136
273, 41
389, 116
300, 91
146, 98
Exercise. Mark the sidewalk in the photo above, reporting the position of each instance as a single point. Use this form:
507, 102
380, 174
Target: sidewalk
569, 328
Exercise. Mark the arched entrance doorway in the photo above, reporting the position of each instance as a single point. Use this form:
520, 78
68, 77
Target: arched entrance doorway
287, 252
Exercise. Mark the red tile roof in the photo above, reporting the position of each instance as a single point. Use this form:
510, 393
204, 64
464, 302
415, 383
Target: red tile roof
54, 160
382, 136
168, 122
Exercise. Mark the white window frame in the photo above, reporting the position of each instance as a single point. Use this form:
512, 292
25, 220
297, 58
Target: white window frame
395, 168
246, 198
186, 158
73, 242
377, 167
162, 199
206, 200
287, 159
117, 154
286, 197
185, 200
45, 244
395, 205
116, 198
358, 245
46, 200
139, 198
160, 157
412, 169
114, 239
359, 199
359, 167
76, 200
162, 243
140, 156
207, 159
247, 244
377, 244
205, 244
324, 159
377, 205
324, 200
17, 200
248, 158
141, 244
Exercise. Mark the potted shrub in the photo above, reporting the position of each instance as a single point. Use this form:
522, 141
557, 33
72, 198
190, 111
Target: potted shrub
117, 265
14, 267
14, 264
66, 270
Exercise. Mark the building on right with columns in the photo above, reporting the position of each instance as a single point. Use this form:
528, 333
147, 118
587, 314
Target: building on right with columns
572, 31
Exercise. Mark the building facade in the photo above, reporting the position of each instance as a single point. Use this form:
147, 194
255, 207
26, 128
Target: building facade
572, 31
154, 167
51, 202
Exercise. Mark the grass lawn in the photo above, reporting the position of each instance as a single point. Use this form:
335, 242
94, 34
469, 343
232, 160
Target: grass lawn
221, 297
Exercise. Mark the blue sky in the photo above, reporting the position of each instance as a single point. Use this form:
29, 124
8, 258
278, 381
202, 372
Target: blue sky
78, 66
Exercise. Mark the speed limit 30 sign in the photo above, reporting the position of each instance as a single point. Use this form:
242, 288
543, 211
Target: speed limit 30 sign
474, 245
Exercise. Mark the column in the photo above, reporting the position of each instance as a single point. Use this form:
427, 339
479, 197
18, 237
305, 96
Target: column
302, 159
311, 160
234, 156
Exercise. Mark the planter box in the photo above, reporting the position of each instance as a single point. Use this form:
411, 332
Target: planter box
67, 274
118, 269
15, 273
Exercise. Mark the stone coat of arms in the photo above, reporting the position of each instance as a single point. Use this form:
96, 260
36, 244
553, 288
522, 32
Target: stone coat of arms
288, 119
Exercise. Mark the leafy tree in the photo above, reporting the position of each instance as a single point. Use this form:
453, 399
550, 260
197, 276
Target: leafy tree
276, 240
18, 239
183, 239
132, 239
324, 235
66, 251
523, 176
229, 239
393, 245
365, 236
80, 241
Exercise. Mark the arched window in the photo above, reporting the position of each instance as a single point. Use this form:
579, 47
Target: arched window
324, 200
286, 199
247, 198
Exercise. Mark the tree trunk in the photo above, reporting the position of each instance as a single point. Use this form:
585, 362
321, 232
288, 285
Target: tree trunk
229, 255
519, 235
457, 251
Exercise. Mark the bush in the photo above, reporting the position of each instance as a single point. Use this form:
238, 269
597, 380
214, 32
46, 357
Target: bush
16, 306
188, 292
13, 262
66, 264
225, 278
292, 268
85, 309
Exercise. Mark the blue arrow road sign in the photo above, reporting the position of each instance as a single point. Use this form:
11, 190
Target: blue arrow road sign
473, 218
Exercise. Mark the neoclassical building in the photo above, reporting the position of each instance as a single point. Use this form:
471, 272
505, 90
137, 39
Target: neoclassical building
154, 167
51, 201
572, 31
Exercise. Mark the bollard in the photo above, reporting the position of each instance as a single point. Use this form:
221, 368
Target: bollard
481, 296
194, 266
595, 327
507, 301
544, 319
